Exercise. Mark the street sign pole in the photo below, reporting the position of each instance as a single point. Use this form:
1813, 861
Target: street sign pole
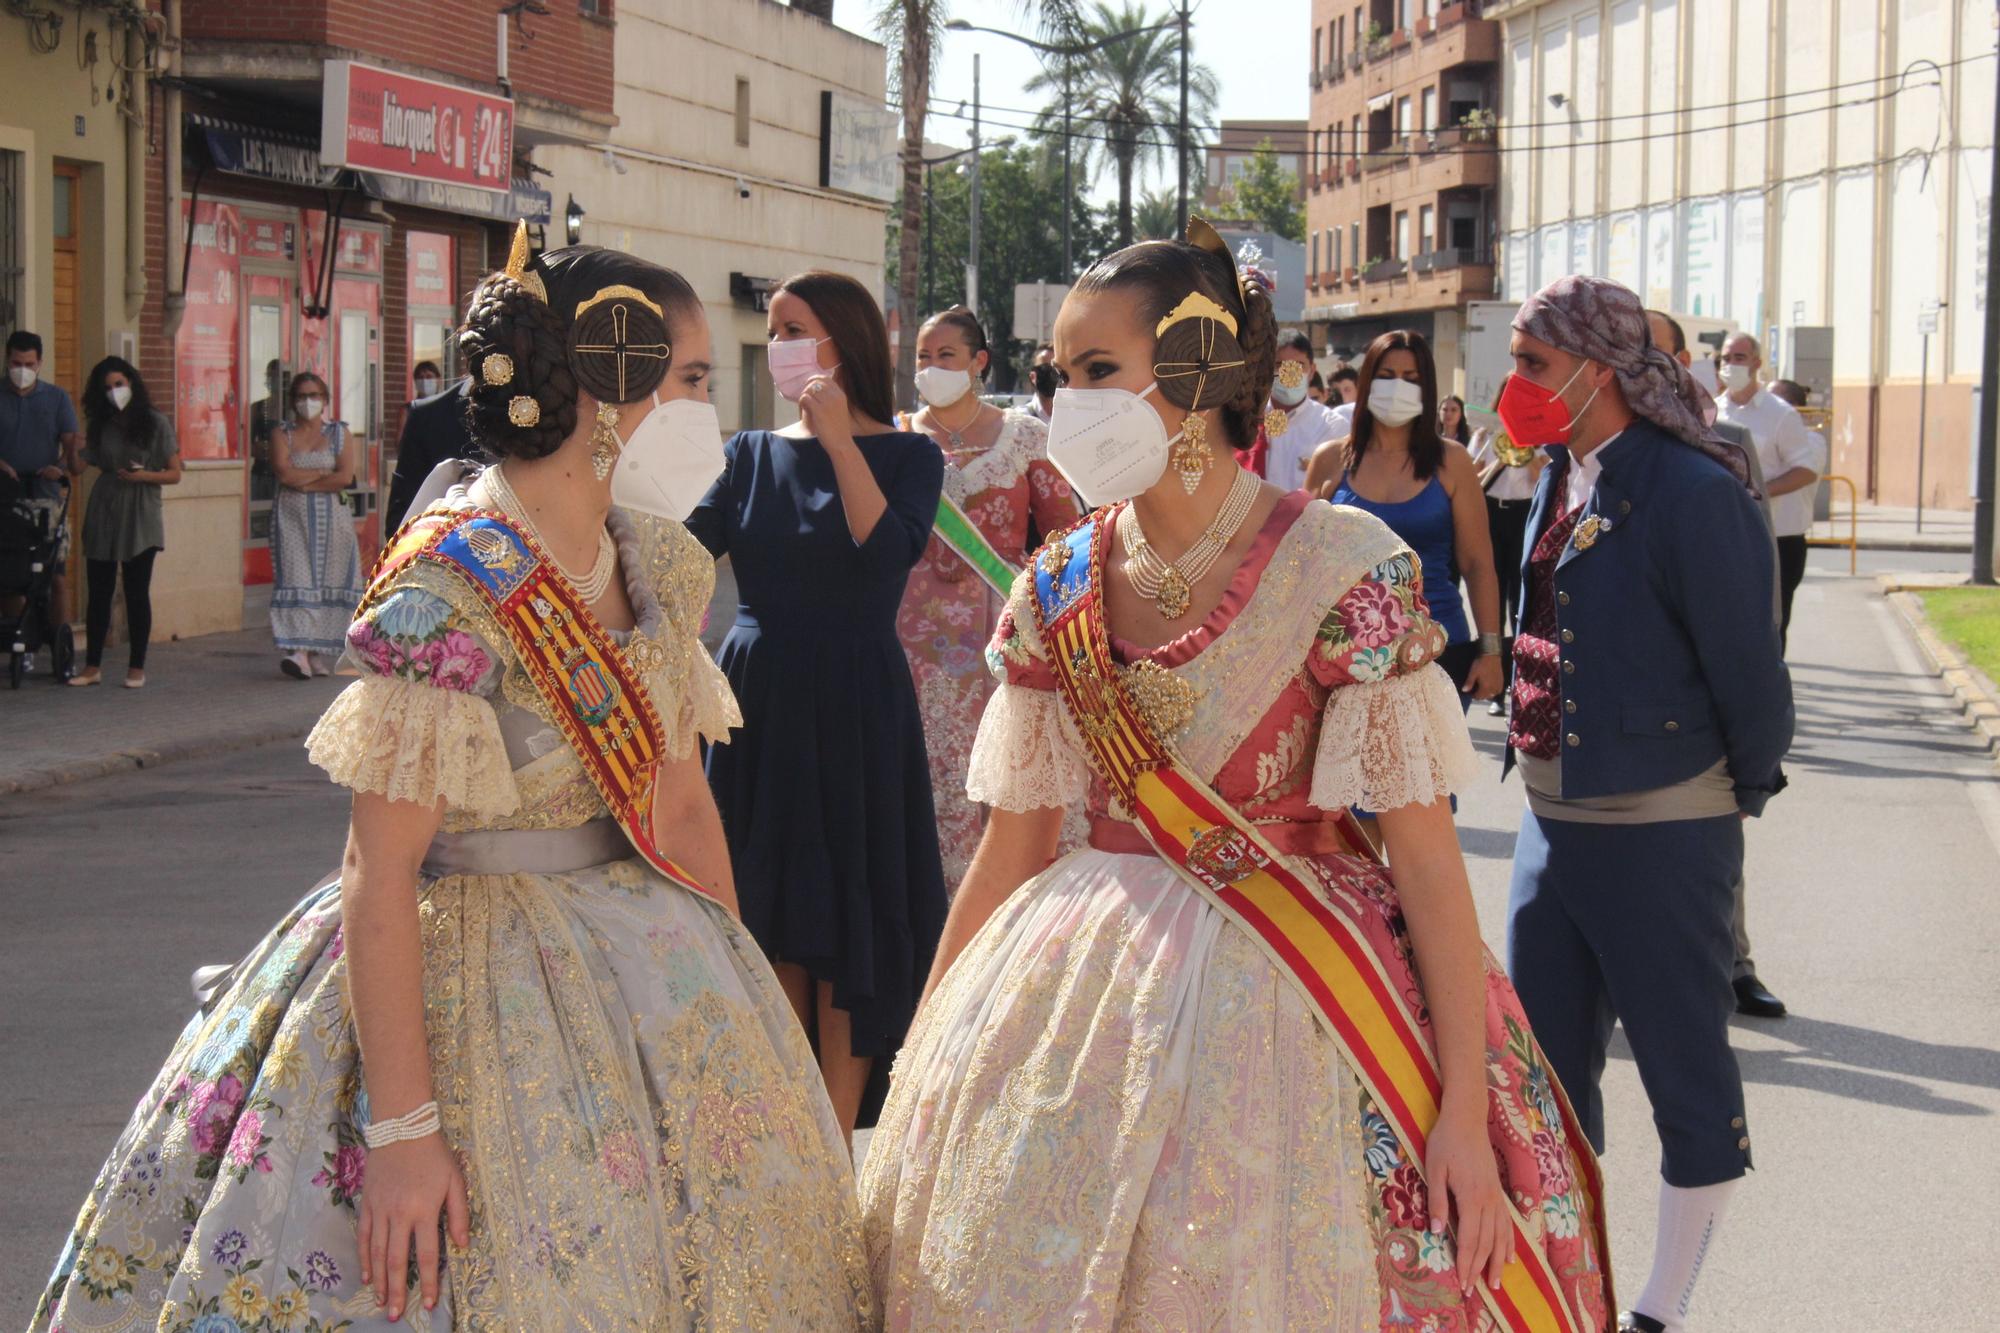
1989, 378
1923, 420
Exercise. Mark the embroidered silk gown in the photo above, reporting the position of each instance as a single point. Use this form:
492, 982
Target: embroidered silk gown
1013, 494
1115, 1112
645, 1138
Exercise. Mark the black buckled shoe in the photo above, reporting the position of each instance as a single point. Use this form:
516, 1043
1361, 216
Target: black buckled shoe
1634, 1322
1752, 999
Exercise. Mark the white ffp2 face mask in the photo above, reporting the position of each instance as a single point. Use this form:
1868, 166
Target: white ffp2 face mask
426, 385
310, 408
23, 376
942, 386
1109, 444
1735, 377
1395, 402
120, 395
672, 459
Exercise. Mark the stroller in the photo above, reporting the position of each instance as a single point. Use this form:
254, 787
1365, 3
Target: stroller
30, 535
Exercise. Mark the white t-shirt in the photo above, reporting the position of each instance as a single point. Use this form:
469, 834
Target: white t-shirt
1312, 424
1783, 443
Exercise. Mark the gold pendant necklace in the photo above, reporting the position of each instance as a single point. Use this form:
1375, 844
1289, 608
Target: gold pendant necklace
1170, 585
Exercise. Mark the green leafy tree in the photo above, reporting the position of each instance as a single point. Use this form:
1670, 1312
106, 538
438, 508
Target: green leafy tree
1267, 194
1020, 241
912, 30
1126, 98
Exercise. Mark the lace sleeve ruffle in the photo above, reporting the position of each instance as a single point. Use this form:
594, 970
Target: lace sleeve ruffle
1025, 757
707, 710
411, 741
1391, 743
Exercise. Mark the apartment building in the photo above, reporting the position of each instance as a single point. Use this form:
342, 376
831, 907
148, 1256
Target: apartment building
1401, 170
1780, 164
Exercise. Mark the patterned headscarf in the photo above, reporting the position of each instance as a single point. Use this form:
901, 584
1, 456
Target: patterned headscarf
1602, 321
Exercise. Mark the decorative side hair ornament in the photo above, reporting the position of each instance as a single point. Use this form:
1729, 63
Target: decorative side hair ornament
1200, 362
521, 266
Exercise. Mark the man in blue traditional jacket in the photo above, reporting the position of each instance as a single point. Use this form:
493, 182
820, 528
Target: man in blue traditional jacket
1651, 710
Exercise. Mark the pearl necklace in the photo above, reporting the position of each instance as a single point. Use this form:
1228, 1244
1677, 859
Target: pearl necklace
590, 586
1171, 586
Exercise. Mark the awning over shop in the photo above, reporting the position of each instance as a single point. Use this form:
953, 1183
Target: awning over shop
265, 152
292, 158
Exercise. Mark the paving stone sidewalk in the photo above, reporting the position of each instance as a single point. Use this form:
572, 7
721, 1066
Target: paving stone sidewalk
202, 695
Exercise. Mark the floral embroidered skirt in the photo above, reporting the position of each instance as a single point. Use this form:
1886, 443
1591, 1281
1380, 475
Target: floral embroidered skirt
644, 1135
1115, 1113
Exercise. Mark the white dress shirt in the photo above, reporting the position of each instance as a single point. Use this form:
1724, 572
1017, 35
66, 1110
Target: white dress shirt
1583, 476
1783, 443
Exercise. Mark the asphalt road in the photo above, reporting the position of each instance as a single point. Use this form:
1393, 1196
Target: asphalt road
1872, 906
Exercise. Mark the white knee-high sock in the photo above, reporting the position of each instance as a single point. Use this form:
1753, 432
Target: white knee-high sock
1688, 1222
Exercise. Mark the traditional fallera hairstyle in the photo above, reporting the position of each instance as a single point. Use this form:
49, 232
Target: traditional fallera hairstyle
97, 407
968, 326
853, 319
1201, 362
552, 327
1426, 445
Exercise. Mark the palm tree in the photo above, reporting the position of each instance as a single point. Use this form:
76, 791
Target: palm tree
1127, 97
912, 29
1154, 219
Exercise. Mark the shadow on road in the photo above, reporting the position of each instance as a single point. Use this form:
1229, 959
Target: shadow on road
1843, 1060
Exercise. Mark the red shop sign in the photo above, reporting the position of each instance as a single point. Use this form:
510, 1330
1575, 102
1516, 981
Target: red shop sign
373, 120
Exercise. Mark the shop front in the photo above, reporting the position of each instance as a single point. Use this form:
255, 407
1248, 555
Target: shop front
299, 261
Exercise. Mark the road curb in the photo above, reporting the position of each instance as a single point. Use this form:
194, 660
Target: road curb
1977, 699
103, 765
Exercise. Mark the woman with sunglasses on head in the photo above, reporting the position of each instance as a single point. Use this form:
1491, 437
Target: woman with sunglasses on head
315, 560
518, 1066
825, 790
1218, 1069
1001, 497
124, 529
1395, 465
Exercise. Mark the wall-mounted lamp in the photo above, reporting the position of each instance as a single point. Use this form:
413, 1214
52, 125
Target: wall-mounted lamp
573, 221
1558, 100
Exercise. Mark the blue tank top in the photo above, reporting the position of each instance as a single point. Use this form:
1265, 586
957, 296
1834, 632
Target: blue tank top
1424, 523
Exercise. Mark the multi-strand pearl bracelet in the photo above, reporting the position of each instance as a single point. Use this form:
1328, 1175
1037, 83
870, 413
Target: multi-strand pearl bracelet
420, 1123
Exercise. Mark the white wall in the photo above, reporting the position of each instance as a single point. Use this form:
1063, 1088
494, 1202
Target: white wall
1735, 188
678, 200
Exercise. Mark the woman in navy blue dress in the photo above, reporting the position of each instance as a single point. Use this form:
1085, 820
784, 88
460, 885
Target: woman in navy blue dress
825, 792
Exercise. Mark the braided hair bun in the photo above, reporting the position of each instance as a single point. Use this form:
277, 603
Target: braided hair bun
602, 329
1166, 274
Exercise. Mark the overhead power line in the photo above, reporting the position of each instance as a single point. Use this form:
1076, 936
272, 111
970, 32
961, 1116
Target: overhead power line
1148, 143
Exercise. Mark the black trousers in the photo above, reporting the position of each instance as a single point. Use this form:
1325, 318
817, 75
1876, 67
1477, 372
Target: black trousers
1791, 572
102, 576
1508, 522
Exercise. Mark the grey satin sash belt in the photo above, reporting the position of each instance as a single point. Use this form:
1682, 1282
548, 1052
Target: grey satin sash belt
526, 851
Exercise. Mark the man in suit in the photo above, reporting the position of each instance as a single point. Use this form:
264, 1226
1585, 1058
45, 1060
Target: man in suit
1651, 709
1753, 997
434, 429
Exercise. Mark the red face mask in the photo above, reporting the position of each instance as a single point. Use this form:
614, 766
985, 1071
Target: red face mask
1535, 416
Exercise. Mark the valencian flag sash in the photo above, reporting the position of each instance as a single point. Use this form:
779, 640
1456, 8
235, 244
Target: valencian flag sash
1220, 853
963, 536
595, 696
